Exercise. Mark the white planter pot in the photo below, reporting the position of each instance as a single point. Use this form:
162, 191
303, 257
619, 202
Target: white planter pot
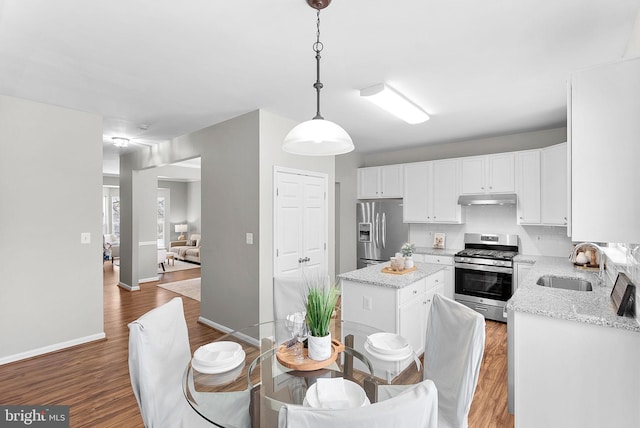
408, 263
319, 347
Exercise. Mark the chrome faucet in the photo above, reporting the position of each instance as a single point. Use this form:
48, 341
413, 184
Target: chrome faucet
601, 257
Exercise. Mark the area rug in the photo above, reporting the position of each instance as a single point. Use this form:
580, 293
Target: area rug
175, 265
189, 288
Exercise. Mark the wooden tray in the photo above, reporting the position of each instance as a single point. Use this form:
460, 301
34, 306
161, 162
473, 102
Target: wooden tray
288, 359
387, 269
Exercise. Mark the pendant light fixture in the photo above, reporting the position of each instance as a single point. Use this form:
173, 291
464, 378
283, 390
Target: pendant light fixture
318, 137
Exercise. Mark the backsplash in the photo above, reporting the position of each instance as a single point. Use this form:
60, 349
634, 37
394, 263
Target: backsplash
534, 240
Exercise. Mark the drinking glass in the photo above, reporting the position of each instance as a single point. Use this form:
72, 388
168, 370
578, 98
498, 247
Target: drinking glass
301, 335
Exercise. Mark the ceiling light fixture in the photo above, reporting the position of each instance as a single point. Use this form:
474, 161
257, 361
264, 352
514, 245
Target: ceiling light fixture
395, 103
318, 137
120, 142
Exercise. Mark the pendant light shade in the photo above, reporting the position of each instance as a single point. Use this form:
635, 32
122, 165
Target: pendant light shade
317, 137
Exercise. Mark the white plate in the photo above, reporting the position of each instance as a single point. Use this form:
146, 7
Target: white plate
388, 343
217, 354
218, 379
408, 353
355, 395
230, 365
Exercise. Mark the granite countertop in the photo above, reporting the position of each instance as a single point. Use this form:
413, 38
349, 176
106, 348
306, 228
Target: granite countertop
437, 251
374, 275
591, 307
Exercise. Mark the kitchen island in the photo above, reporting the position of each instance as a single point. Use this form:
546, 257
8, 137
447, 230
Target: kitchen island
390, 302
574, 360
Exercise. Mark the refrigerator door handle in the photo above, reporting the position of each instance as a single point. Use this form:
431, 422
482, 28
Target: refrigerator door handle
376, 236
384, 230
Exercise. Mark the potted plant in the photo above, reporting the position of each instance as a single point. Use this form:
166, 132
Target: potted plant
320, 304
407, 251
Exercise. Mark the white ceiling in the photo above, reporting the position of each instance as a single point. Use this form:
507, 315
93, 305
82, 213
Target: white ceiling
479, 68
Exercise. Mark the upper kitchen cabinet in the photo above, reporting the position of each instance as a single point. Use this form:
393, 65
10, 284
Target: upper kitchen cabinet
431, 192
380, 182
528, 186
604, 153
553, 185
541, 185
488, 174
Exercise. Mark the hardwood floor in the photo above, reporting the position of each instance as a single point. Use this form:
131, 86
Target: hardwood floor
93, 379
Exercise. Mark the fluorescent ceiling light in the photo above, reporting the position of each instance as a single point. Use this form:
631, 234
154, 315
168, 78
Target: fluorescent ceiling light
120, 142
395, 103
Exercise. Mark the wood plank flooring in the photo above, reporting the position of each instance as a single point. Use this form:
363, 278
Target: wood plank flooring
94, 378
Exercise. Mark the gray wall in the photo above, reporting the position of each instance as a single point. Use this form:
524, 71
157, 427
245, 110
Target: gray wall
194, 206
505, 143
346, 175
50, 284
179, 204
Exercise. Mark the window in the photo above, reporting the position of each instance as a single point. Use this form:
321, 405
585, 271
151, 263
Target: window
115, 215
161, 219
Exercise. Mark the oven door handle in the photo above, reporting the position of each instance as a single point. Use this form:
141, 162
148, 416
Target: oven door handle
485, 268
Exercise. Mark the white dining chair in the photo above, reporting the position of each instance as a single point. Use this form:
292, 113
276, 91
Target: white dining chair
158, 356
288, 295
452, 359
416, 407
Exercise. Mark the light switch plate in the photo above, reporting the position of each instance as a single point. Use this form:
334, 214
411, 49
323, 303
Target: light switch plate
85, 238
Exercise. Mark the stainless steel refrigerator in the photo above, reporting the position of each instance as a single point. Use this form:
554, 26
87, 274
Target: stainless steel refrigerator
381, 231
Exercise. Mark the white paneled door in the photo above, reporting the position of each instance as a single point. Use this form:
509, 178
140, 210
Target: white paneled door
300, 222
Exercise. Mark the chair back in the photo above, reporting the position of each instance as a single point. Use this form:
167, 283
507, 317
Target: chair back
453, 355
288, 295
158, 356
415, 407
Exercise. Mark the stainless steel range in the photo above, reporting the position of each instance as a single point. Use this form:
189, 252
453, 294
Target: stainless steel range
484, 273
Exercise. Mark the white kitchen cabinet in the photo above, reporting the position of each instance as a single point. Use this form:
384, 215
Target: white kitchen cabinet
447, 280
604, 152
402, 311
520, 272
573, 374
528, 186
553, 185
488, 174
380, 182
541, 185
431, 192
417, 206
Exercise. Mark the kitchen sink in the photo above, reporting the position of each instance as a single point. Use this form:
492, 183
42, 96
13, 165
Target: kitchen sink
577, 284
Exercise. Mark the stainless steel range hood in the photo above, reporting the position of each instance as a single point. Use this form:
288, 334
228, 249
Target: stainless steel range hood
488, 199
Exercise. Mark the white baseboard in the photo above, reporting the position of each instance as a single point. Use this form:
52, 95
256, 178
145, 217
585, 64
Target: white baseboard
252, 340
51, 348
150, 279
128, 287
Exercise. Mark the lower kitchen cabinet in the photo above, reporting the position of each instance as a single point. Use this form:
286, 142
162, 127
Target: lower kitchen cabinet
403, 311
520, 272
574, 374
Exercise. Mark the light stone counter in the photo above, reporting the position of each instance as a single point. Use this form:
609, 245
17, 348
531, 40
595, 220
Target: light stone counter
450, 252
374, 275
591, 307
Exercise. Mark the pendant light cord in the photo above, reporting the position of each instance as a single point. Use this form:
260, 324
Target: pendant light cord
317, 47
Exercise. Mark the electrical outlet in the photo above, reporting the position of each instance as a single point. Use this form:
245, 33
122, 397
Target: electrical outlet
367, 303
249, 238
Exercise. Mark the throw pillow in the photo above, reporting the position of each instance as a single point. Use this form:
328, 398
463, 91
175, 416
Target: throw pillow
191, 243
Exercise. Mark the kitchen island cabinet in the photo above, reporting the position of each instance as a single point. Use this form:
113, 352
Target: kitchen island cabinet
394, 303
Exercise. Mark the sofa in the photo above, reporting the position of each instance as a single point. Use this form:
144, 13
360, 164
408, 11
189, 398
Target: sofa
188, 249
110, 247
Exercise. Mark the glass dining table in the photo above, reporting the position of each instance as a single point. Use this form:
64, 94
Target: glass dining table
250, 394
